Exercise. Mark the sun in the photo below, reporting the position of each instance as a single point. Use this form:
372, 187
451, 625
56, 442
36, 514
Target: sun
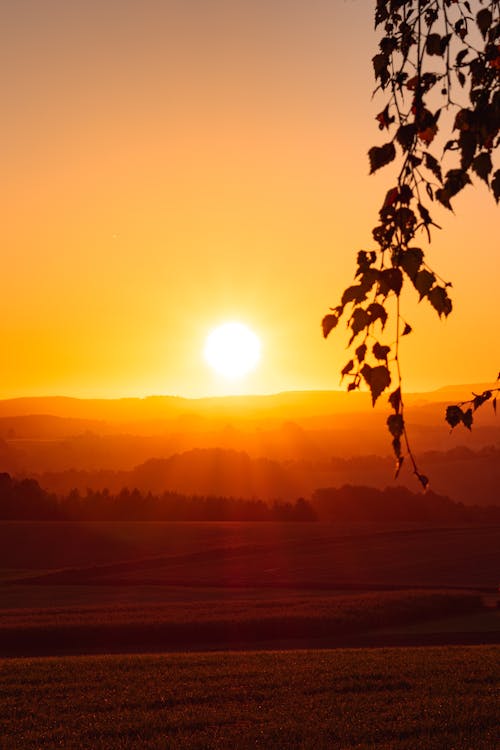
232, 350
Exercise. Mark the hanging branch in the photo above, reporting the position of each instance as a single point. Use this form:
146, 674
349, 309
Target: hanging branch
428, 50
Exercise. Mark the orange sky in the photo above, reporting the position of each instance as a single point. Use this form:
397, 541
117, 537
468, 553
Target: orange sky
170, 165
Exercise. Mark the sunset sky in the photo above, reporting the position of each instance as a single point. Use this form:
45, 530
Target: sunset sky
170, 165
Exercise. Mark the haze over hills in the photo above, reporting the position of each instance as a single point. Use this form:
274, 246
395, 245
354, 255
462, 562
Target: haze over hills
276, 446
292, 404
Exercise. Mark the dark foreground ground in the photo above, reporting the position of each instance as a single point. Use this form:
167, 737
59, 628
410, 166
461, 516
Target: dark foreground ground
389, 699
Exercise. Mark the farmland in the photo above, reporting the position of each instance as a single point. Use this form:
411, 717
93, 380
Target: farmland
392, 699
143, 587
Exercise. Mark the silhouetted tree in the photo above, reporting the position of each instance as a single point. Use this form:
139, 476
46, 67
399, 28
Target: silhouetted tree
438, 66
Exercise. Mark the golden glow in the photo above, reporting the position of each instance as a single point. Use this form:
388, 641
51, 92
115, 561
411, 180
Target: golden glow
232, 350
166, 169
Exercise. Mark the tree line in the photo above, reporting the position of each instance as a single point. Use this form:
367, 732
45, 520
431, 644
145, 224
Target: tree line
25, 500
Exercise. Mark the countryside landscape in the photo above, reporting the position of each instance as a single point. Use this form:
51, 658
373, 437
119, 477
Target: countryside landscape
235, 580
249, 442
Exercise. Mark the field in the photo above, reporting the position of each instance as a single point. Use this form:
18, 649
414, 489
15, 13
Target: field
390, 699
233, 635
143, 587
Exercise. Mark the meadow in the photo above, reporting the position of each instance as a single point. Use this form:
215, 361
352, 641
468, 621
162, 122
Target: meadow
390, 699
143, 587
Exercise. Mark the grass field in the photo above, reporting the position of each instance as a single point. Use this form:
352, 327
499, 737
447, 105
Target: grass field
390, 699
251, 554
230, 622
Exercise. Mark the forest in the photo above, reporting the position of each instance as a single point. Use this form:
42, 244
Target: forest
24, 499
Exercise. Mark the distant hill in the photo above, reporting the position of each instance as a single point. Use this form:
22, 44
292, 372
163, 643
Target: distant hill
286, 405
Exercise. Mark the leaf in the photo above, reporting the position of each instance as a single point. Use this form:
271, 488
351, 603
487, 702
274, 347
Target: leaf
480, 399
483, 20
433, 45
361, 352
495, 185
381, 352
482, 165
391, 197
454, 415
406, 330
405, 136
379, 156
377, 378
395, 424
390, 280
438, 297
384, 119
380, 68
427, 134
433, 166
360, 319
456, 180
443, 197
423, 281
347, 369
328, 324
467, 418
411, 260
376, 312
395, 400
353, 294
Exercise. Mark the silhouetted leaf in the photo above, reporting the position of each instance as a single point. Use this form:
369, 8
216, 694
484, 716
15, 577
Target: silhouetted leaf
395, 424
456, 180
480, 399
454, 415
328, 324
411, 260
377, 312
390, 280
395, 400
365, 260
432, 164
380, 68
405, 135
406, 330
353, 294
347, 369
423, 281
436, 44
443, 195
381, 352
467, 418
377, 378
361, 352
391, 197
495, 185
438, 297
379, 156
482, 165
483, 20
384, 119
359, 321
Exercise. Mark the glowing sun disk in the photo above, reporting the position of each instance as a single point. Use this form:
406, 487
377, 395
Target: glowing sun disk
232, 349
